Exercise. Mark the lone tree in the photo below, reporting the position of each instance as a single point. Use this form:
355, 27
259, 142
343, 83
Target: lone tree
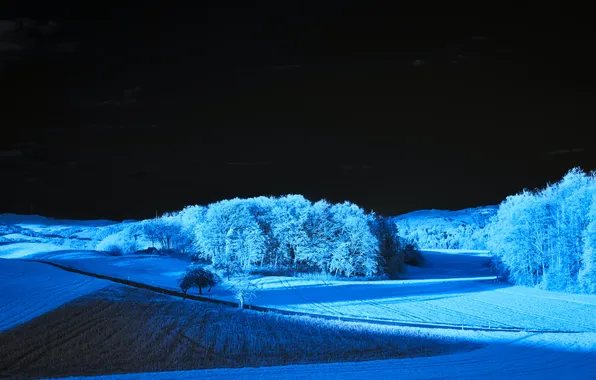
199, 278
244, 290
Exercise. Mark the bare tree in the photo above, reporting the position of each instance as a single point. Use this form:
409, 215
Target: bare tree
244, 290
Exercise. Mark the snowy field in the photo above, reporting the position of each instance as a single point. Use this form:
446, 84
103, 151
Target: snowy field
28, 290
454, 288
505, 355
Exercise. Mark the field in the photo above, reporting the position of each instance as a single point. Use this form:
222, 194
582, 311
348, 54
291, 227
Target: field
120, 329
455, 288
57, 323
525, 357
30, 290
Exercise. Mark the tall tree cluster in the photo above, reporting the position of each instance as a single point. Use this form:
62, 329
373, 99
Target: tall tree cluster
288, 232
547, 237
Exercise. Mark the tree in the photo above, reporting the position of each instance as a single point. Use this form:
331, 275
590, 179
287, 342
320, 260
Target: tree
231, 236
518, 237
412, 254
238, 234
540, 236
392, 258
587, 275
261, 244
316, 236
287, 217
357, 249
244, 290
198, 277
169, 233
191, 217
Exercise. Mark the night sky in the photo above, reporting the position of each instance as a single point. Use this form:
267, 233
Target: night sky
118, 112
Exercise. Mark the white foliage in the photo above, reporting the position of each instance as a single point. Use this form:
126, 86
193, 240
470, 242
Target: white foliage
587, 274
287, 215
358, 251
317, 235
126, 241
541, 236
441, 229
169, 233
231, 236
244, 289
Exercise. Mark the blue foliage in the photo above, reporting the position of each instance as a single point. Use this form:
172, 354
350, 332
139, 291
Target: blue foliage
546, 237
440, 229
275, 233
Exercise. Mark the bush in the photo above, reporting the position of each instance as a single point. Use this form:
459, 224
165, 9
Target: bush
413, 256
123, 242
114, 250
272, 271
148, 251
498, 268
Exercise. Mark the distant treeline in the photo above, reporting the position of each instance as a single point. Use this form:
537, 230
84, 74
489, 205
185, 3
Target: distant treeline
454, 235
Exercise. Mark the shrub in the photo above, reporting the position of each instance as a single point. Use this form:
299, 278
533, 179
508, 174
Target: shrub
498, 268
114, 250
123, 242
413, 256
272, 271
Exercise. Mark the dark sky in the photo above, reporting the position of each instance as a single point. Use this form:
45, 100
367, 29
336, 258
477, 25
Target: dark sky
122, 111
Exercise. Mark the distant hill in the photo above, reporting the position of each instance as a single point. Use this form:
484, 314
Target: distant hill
45, 221
461, 229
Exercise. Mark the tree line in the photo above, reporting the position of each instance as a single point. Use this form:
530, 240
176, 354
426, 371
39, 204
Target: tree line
288, 232
547, 237
544, 238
